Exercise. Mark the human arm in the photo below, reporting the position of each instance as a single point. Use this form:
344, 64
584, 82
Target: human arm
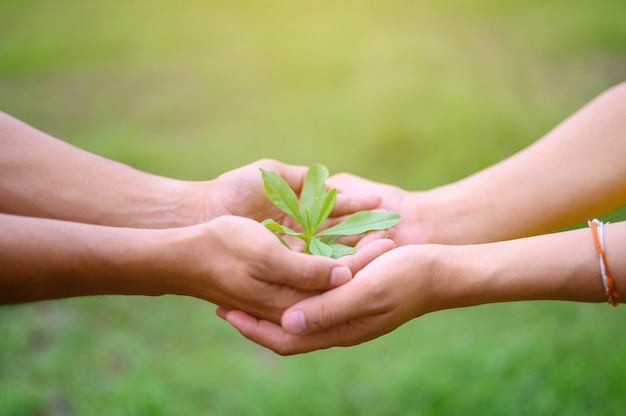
42, 176
231, 261
414, 280
575, 172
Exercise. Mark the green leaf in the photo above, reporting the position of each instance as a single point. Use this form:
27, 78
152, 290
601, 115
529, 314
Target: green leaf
362, 222
282, 240
307, 221
272, 225
320, 249
326, 207
340, 250
314, 192
314, 187
282, 195
314, 207
329, 239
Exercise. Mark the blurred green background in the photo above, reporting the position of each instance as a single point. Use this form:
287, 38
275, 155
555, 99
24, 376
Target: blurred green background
415, 93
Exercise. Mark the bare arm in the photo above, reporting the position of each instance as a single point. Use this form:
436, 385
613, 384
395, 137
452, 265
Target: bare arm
74, 224
230, 261
575, 172
413, 280
41, 176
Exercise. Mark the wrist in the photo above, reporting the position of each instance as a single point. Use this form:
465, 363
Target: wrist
187, 261
561, 266
454, 214
439, 213
122, 261
470, 275
51, 259
170, 203
452, 275
156, 262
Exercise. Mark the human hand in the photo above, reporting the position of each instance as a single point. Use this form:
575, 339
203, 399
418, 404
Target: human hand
241, 192
398, 286
236, 263
409, 229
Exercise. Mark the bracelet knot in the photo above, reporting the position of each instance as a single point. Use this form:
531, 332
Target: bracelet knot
597, 229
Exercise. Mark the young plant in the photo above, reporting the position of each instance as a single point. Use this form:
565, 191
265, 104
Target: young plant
313, 208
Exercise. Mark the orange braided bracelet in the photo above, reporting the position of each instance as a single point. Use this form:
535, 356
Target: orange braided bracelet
597, 228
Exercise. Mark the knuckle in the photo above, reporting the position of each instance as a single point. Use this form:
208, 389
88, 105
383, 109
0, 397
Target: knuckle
375, 294
309, 277
343, 176
324, 317
267, 162
284, 350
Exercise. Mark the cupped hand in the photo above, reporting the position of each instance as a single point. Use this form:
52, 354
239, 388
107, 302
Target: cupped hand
408, 230
236, 263
392, 289
241, 192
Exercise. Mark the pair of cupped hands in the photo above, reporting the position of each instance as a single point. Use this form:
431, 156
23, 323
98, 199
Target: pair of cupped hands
291, 302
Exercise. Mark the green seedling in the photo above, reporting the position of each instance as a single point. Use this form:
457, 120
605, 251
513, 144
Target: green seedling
313, 208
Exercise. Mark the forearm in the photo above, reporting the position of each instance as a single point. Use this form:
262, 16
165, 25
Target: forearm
575, 172
44, 177
560, 266
51, 259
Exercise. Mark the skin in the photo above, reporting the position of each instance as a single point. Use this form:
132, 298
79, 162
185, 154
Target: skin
42, 176
467, 243
579, 165
413, 280
77, 224
230, 260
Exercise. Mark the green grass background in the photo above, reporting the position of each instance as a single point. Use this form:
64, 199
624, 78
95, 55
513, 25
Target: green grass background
415, 93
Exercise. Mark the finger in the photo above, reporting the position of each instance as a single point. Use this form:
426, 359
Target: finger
305, 271
366, 252
292, 174
372, 236
260, 331
348, 203
332, 309
347, 181
361, 240
221, 312
272, 336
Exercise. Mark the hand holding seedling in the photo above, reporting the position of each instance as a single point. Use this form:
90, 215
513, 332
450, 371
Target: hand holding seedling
142, 234
313, 208
394, 288
411, 205
240, 192
234, 262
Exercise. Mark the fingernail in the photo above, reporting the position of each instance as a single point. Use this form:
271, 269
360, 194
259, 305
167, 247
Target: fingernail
294, 322
340, 276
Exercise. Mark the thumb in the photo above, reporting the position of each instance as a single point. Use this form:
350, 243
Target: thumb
325, 311
368, 249
306, 271
349, 203
292, 174
309, 272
